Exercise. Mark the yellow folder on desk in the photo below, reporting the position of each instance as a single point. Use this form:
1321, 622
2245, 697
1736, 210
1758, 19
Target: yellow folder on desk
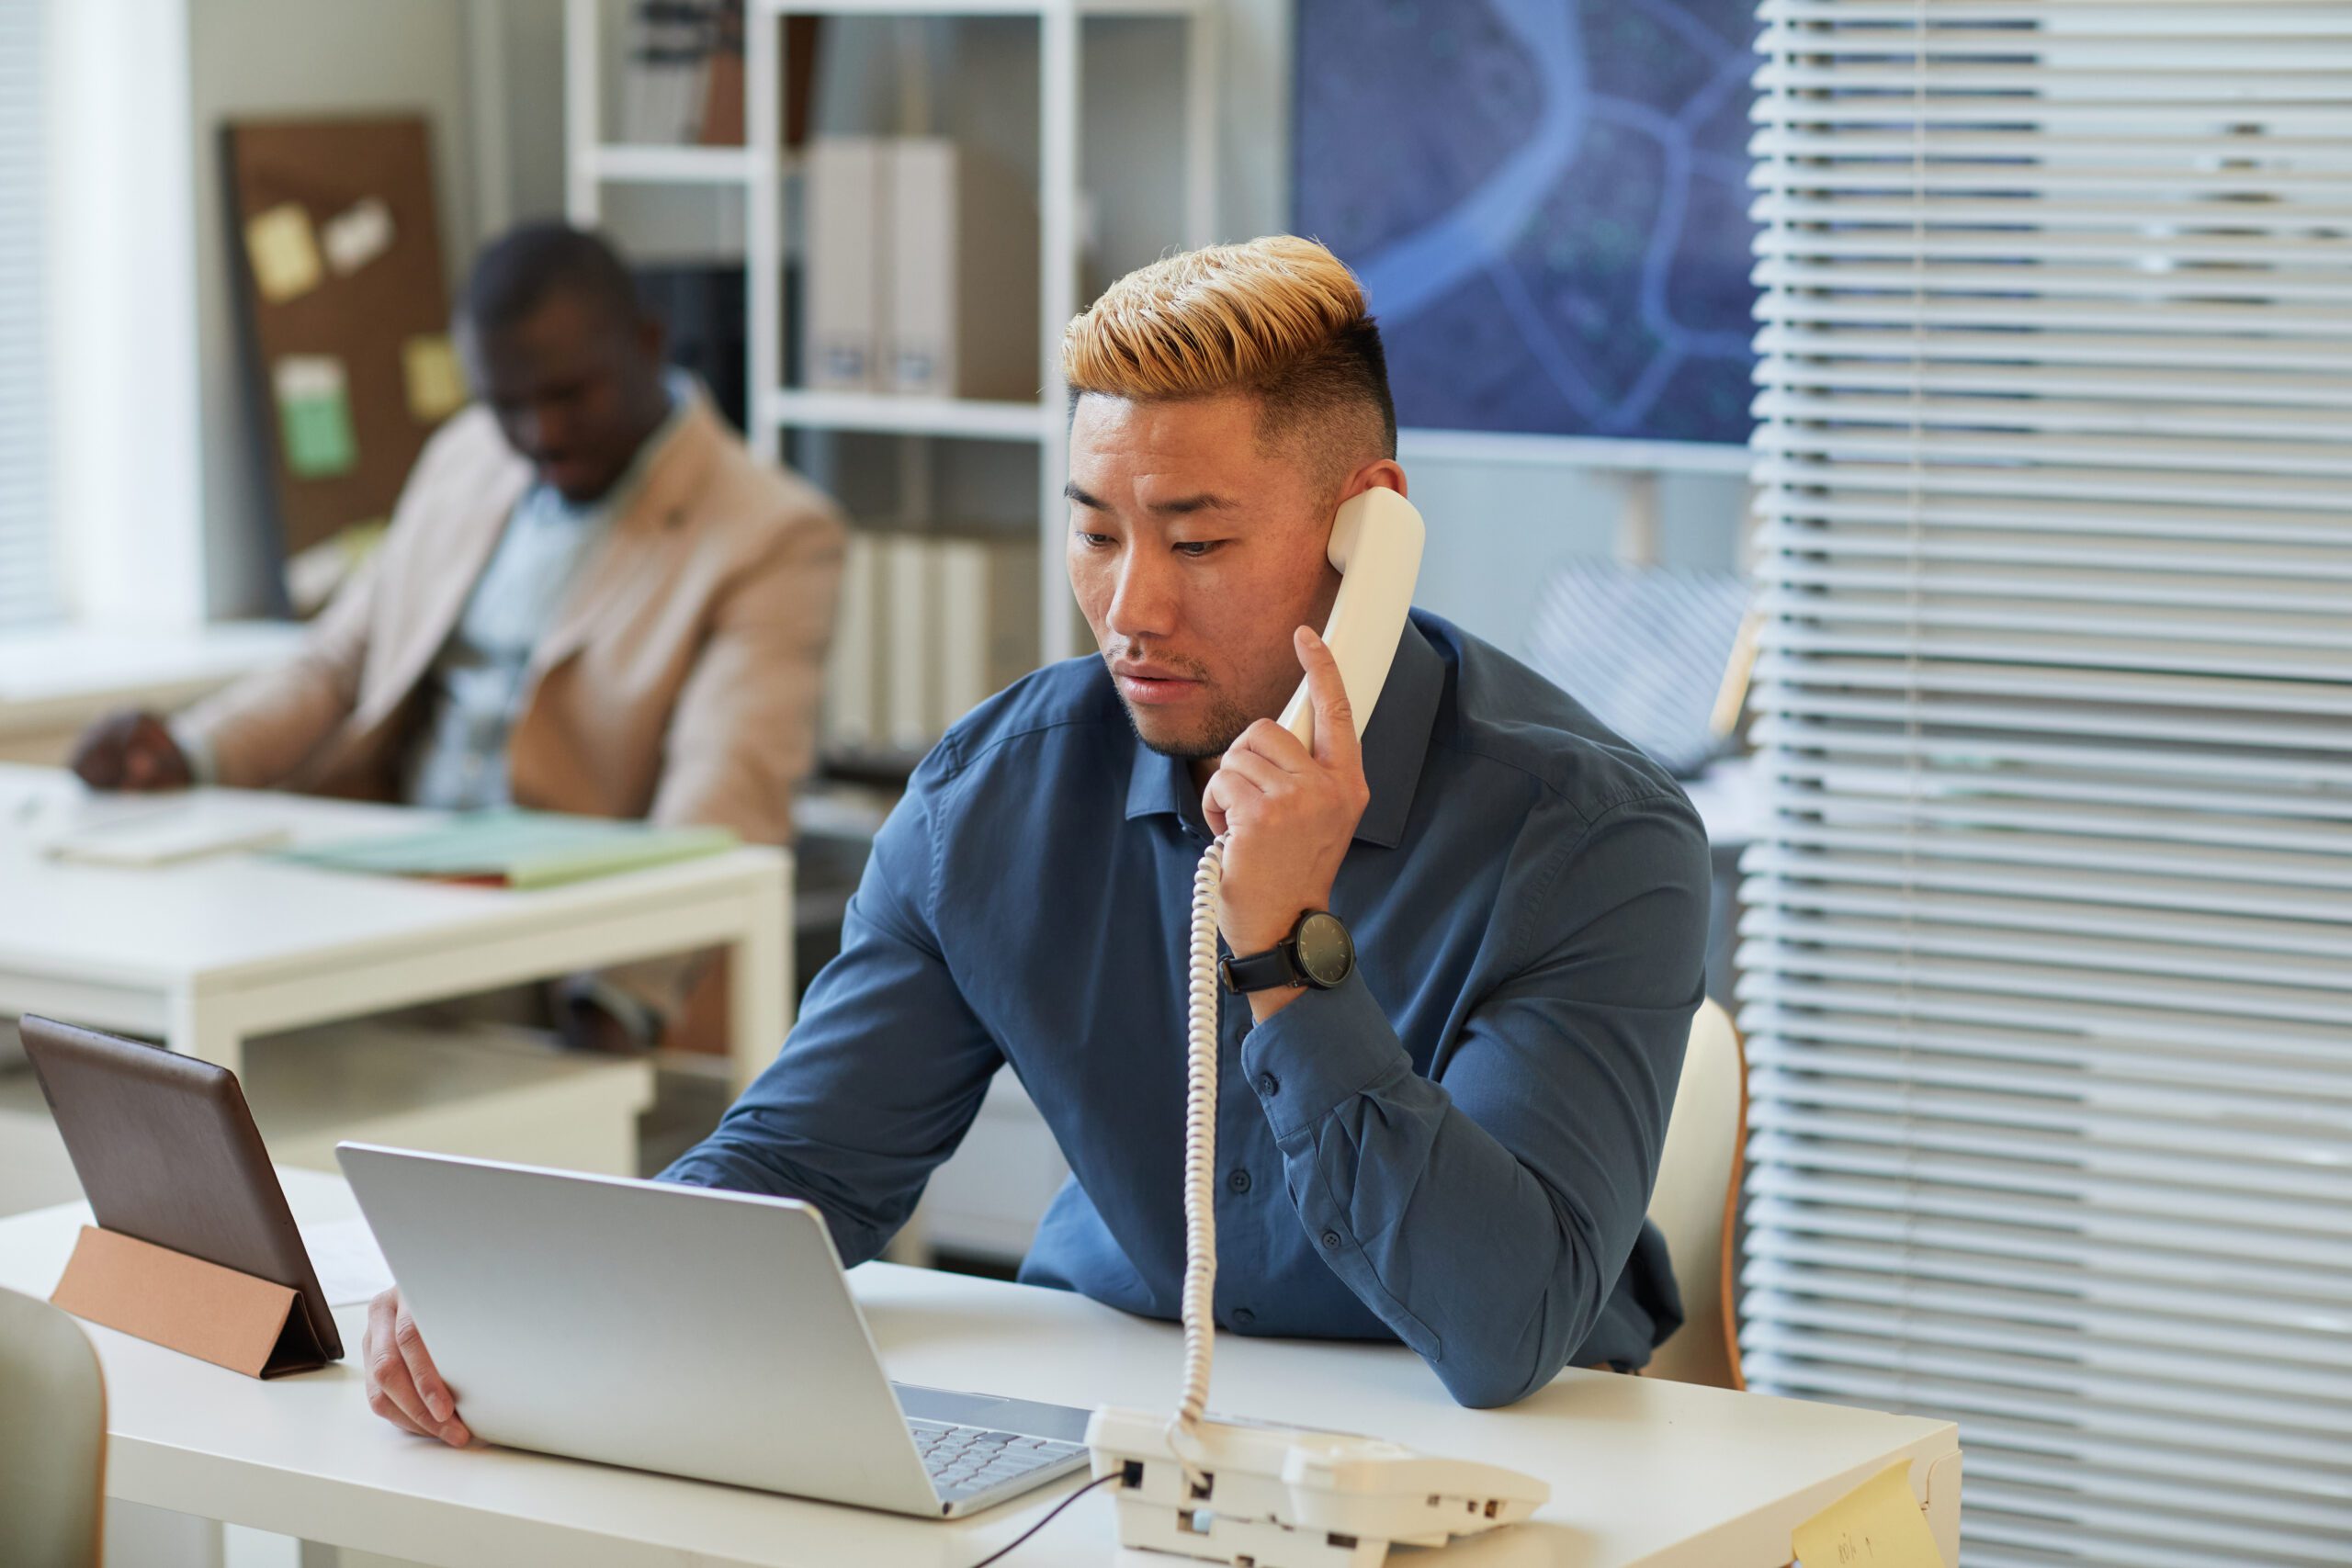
516, 849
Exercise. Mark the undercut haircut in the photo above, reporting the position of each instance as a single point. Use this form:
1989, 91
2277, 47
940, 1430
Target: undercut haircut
1281, 319
526, 267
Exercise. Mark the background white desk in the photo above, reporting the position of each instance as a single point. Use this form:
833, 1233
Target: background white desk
1643, 1472
207, 953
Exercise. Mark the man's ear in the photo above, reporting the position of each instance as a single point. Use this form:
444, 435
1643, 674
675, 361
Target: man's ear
1386, 474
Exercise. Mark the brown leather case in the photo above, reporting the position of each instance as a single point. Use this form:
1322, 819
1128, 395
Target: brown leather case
183, 1192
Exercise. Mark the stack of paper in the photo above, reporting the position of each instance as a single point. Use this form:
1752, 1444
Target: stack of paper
516, 849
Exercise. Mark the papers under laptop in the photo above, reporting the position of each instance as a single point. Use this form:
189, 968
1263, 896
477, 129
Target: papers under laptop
674, 1329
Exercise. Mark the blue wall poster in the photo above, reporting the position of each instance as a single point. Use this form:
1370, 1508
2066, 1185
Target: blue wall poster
1547, 202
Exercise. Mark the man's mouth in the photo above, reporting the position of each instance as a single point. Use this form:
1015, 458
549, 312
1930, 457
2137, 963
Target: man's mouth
1140, 680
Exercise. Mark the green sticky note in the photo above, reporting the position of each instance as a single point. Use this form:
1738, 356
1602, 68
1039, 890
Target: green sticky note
314, 416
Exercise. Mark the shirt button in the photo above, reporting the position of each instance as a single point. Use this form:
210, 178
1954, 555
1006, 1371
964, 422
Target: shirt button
1331, 1239
1243, 1317
1238, 1181
1268, 1085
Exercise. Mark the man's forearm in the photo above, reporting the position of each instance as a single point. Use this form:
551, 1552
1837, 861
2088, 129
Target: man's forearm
1487, 1271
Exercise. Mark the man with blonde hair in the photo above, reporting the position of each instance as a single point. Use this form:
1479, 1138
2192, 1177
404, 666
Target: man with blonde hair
1453, 1142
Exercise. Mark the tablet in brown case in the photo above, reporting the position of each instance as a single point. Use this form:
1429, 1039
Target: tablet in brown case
169, 1156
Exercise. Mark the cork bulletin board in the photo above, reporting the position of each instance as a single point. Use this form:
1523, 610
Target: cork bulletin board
344, 312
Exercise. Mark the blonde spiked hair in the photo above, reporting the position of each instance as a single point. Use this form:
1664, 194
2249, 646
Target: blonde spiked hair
1279, 318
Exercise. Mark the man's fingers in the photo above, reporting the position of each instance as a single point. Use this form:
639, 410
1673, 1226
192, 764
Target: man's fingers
98, 757
393, 1385
421, 1370
1335, 721
1252, 771
384, 1404
389, 1385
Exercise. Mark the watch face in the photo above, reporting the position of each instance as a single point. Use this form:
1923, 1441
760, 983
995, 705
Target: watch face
1326, 951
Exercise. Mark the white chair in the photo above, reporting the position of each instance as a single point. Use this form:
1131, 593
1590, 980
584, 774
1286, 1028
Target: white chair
53, 1437
1695, 1205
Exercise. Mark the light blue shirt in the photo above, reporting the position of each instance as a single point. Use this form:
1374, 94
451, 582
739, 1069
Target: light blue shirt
476, 686
1453, 1148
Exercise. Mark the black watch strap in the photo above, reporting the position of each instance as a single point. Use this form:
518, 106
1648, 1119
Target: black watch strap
1264, 971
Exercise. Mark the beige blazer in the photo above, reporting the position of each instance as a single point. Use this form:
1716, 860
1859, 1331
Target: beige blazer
677, 682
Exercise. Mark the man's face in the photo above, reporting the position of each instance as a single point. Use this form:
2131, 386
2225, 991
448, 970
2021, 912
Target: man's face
575, 390
1195, 555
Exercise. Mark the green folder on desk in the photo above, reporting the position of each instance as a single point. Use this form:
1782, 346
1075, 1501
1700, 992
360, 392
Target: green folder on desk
516, 849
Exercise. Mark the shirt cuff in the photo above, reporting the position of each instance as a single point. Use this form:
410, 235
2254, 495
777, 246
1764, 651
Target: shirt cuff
1321, 1051
196, 745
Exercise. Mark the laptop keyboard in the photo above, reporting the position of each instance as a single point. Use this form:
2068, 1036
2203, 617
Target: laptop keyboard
966, 1460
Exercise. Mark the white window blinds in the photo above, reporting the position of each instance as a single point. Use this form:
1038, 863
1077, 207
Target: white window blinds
2049, 944
28, 588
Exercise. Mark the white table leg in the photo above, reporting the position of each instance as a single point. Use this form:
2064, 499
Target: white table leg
195, 1027
759, 981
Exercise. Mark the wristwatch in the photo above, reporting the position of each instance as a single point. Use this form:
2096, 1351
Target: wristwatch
1318, 953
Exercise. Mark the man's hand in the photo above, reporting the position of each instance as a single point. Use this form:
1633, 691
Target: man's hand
130, 750
1291, 814
403, 1385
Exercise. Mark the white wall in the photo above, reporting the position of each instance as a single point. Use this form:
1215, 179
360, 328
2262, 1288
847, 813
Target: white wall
250, 58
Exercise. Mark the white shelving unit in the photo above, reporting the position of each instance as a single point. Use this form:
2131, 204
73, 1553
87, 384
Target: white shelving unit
758, 169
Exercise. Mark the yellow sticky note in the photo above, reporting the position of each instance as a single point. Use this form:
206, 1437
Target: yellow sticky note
437, 387
285, 255
1877, 1525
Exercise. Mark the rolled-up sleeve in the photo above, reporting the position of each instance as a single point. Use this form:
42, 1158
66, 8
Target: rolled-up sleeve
1485, 1211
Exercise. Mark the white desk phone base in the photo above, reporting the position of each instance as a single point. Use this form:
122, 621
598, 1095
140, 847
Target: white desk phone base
1272, 1496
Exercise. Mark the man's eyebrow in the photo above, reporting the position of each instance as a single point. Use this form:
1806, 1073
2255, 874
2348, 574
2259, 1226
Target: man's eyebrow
1185, 505
1181, 506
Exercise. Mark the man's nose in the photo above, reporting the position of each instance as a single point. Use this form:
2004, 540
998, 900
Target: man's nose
1143, 597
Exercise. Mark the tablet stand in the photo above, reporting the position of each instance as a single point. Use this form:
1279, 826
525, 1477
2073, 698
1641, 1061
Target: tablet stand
217, 1315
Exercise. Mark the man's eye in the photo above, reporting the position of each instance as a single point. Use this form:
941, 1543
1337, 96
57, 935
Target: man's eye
1094, 541
1196, 549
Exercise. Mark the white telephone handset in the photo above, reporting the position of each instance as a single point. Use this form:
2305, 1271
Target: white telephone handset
1377, 548
1275, 1496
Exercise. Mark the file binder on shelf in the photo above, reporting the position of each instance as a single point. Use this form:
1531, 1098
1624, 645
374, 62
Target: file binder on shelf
962, 257
845, 265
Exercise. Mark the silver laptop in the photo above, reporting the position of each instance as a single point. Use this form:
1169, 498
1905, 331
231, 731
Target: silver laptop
675, 1328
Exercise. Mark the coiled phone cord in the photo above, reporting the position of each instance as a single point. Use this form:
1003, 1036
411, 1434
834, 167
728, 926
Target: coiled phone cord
1200, 1158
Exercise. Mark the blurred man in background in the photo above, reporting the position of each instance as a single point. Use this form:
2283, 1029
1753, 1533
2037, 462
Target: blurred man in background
591, 598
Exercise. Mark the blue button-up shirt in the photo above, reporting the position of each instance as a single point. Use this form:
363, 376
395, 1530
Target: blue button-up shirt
1454, 1147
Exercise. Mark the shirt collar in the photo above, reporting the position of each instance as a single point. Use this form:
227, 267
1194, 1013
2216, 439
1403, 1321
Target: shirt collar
1396, 744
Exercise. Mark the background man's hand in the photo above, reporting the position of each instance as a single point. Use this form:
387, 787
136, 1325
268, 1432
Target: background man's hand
1291, 815
403, 1385
130, 750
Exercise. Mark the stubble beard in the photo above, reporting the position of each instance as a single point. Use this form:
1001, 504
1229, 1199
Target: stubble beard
1209, 737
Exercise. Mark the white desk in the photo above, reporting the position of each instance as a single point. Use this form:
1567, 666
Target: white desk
1643, 1472
211, 952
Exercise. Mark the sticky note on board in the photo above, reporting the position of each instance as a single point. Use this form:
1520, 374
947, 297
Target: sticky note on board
314, 416
356, 235
285, 257
437, 387
1877, 1525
